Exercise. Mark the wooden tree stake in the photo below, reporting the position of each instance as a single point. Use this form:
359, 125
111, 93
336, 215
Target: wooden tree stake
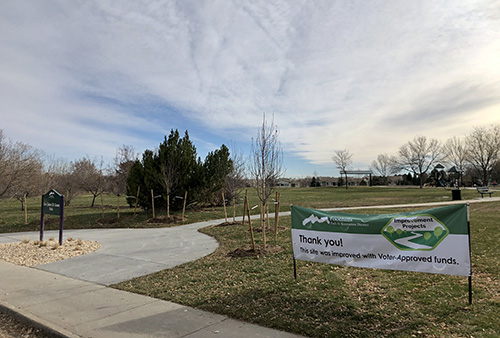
118, 205
184, 206
25, 209
224, 204
102, 206
244, 207
276, 216
247, 206
153, 202
137, 199
234, 210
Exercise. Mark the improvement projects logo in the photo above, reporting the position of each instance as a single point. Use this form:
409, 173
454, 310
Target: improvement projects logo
416, 233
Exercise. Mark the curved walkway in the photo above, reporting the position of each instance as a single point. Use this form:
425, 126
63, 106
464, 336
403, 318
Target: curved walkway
127, 253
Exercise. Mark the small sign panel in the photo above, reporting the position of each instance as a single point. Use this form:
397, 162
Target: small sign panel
52, 203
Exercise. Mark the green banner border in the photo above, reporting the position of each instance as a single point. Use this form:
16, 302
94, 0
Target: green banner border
453, 216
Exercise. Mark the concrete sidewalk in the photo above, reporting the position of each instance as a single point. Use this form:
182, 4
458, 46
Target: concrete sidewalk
74, 308
127, 253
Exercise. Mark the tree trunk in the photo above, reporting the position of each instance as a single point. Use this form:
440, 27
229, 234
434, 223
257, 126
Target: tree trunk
93, 200
168, 205
263, 223
485, 177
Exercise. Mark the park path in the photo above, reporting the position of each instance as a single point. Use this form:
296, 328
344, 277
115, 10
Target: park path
127, 253
406, 241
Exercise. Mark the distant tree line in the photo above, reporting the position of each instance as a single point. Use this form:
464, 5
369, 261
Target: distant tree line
475, 156
170, 170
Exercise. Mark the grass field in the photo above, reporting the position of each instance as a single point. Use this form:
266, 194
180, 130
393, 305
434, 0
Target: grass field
79, 215
325, 300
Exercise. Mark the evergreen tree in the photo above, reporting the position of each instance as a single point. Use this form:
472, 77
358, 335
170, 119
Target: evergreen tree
135, 180
217, 167
170, 171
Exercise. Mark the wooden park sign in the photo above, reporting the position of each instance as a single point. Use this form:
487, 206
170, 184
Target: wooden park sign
52, 204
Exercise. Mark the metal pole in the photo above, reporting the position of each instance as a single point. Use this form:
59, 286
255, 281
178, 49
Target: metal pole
294, 268
470, 290
42, 221
470, 273
61, 221
25, 209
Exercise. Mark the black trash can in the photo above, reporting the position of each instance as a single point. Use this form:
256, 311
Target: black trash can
456, 194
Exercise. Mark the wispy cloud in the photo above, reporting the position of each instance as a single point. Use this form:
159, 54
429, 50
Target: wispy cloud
366, 76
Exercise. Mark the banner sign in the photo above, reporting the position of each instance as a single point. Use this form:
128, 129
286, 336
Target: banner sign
433, 241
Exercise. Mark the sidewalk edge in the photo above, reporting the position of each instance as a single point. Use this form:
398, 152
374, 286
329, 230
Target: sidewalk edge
28, 318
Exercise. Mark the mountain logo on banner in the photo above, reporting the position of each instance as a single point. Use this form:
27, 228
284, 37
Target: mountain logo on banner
422, 233
315, 219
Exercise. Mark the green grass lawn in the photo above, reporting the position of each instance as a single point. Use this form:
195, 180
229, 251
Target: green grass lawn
325, 300
79, 215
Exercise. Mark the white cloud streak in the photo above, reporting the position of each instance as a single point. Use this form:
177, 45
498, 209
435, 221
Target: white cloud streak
357, 75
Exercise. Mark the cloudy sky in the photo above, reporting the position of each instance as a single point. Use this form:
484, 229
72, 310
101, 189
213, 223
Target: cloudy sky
82, 78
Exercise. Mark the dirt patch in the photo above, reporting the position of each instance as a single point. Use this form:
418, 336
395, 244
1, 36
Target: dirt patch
108, 220
248, 251
11, 327
226, 224
268, 229
166, 220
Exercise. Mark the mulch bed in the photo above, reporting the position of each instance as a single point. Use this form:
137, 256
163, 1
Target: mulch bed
226, 224
166, 220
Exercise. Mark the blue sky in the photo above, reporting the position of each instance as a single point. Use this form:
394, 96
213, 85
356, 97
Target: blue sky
82, 78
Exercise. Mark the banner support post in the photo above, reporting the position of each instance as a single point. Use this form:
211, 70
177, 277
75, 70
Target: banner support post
294, 268
470, 259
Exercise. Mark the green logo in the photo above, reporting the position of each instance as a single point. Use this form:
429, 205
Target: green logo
419, 233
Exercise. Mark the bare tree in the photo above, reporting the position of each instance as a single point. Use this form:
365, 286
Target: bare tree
266, 165
236, 178
343, 159
20, 166
483, 149
116, 179
455, 151
419, 155
30, 185
385, 165
118, 173
89, 176
60, 176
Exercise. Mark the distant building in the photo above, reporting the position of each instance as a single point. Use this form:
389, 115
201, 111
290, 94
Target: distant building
326, 181
287, 183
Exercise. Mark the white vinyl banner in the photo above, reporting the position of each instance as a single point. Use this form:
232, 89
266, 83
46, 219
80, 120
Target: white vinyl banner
433, 241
